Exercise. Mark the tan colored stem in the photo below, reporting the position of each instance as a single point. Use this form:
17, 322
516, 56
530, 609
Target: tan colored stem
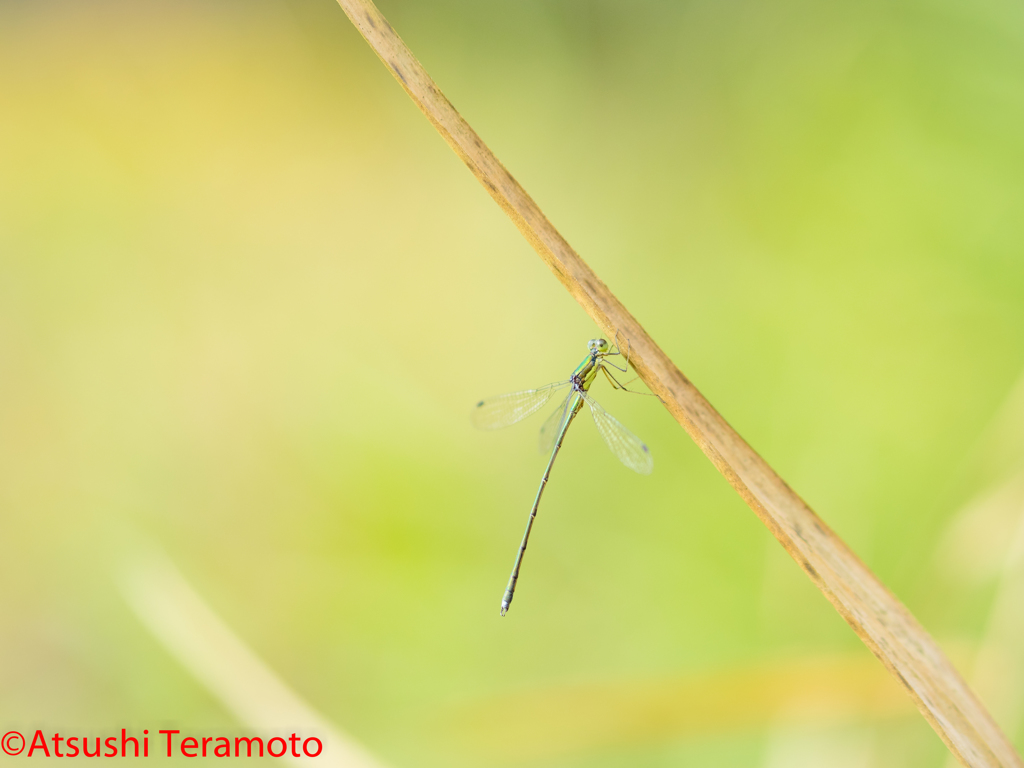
881, 621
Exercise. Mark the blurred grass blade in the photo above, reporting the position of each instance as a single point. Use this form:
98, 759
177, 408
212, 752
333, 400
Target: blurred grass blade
984, 544
881, 621
552, 723
224, 665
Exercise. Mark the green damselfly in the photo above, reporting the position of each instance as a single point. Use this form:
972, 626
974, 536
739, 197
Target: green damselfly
505, 410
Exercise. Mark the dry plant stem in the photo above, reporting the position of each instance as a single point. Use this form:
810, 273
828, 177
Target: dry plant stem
881, 621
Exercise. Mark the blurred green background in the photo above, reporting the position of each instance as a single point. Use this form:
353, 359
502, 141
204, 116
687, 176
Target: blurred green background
248, 297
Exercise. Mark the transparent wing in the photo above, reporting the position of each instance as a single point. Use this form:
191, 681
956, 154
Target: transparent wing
553, 425
504, 410
626, 446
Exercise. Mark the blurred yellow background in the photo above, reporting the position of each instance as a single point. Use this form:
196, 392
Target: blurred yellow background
248, 298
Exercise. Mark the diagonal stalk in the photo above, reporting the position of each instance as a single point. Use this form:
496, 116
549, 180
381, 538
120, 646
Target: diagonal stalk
882, 622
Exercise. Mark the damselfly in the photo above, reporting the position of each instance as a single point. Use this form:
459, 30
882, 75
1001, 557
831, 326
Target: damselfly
504, 410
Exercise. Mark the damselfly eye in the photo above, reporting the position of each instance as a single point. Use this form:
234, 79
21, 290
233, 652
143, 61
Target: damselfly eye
597, 345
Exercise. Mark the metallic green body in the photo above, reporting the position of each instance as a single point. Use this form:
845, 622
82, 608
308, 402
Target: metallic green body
582, 378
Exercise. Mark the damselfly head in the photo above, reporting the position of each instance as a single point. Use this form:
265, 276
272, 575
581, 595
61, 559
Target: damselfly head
597, 346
